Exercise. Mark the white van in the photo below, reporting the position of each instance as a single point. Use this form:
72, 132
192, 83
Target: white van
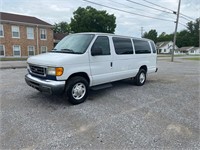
85, 60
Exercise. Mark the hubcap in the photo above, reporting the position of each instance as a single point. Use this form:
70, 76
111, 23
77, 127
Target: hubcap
142, 77
78, 91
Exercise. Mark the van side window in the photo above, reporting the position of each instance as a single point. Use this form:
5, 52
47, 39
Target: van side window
153, 47
101, 44
141, 47
122, 46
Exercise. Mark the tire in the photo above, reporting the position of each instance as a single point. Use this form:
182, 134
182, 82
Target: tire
140, 78
77, 90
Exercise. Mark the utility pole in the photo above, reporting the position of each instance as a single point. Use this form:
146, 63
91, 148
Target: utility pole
177, 18
141, 32
199, 32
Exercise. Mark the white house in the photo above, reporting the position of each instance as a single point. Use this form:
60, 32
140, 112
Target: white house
194, 51
165, 47
189, 50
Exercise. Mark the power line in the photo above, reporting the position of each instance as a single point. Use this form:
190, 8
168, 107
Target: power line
160, 6
150, 7
129, 6
136, 8
185, 18
182, 24
132, 7
128, 11
169, 9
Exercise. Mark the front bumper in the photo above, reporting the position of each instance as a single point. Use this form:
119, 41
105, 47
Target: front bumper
44, 85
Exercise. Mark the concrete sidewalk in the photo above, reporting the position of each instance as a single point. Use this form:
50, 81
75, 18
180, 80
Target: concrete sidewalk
12, 64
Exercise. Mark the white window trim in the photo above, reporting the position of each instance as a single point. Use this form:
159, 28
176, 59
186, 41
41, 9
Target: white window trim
33, 50
27, 33
45, 34
18, 31
2, 30
19, 51
41, 49
3, 50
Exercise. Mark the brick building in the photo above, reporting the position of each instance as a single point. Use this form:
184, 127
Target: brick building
23, 36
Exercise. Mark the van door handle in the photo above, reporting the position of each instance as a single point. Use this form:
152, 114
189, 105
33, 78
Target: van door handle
111, 64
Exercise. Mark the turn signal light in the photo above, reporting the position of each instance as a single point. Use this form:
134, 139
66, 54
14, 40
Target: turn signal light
59, 71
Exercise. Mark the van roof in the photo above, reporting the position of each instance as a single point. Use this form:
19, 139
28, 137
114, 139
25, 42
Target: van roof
111, 34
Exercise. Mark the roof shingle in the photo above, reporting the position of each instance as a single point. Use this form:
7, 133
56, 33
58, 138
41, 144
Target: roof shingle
59, 36
21, 18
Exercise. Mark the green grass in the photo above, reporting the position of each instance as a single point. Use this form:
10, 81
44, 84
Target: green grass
167, 55
13, 59
193, 58
163, 55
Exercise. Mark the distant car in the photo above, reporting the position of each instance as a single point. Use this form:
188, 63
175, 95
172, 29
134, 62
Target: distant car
84, 60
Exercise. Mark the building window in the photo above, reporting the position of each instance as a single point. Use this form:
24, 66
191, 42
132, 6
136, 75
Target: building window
43, 34
2, 51
164, 50
192, 51
43, 49
15, 32
31, 50
16, 51
30, 33
1, 31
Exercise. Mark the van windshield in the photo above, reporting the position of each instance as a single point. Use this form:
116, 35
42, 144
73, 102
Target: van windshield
74, 43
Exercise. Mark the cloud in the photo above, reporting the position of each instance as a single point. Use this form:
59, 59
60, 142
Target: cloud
54, 11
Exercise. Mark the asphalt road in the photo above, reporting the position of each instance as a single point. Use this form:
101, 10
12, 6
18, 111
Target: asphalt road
162, 114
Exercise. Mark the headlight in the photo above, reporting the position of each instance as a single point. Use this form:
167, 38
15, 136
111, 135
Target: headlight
55, 71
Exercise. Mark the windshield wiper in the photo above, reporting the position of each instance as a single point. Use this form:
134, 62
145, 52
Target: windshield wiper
66, 50
62, 51
53, 50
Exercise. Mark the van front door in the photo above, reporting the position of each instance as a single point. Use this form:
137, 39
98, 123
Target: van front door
101, 61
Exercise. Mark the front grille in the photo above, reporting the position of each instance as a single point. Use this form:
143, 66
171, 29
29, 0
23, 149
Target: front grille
37, 70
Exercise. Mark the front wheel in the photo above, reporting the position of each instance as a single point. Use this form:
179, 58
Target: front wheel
77, 90
140, 78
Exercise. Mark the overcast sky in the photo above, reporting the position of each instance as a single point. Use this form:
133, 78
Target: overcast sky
55, 11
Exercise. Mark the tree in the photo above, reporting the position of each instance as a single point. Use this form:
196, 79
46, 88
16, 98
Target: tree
187, 37
152, 34
62, 27
165, 37
183, 38
91, 20
193, 29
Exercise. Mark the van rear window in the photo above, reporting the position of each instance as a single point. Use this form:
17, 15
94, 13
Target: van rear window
141, 47
122, 46
153, 47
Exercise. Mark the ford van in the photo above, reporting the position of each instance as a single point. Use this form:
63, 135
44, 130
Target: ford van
88, 60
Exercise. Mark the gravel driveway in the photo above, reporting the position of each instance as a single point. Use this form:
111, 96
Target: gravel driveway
164, 113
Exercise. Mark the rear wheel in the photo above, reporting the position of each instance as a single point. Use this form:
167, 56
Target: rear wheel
77, 90
140, 78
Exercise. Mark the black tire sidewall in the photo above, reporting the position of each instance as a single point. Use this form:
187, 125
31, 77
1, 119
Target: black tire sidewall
71, 83
138, 83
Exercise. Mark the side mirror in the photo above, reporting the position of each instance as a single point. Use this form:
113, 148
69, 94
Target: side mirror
96, 51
